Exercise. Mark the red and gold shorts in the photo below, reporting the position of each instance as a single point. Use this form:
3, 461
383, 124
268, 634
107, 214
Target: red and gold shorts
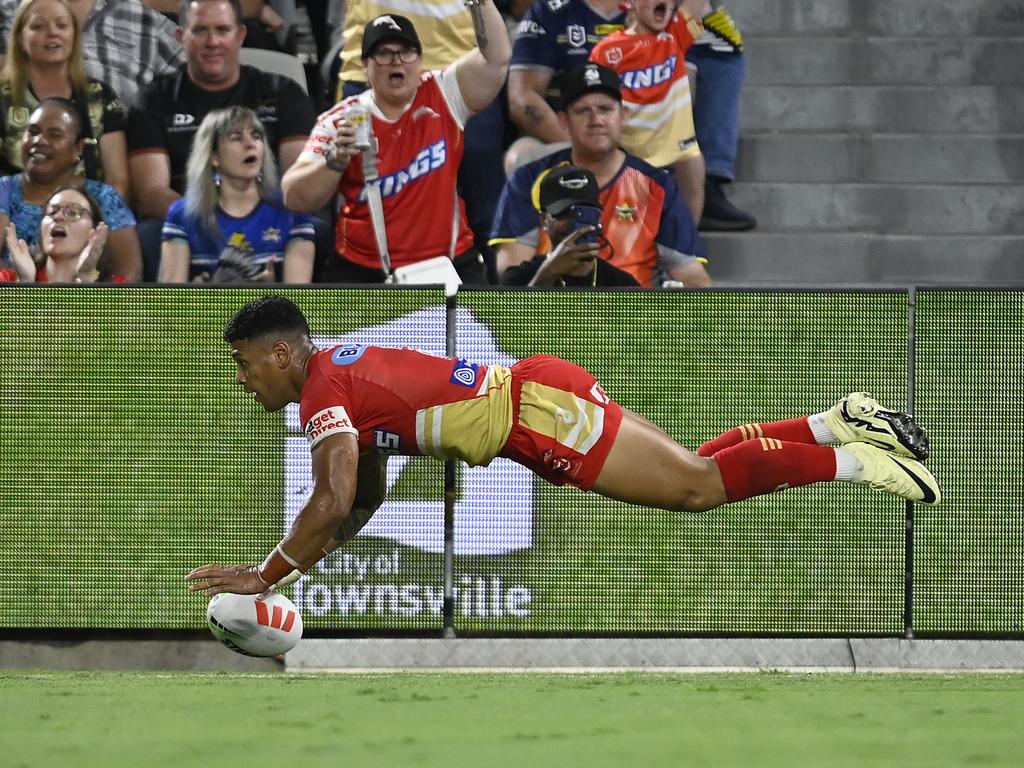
563, 424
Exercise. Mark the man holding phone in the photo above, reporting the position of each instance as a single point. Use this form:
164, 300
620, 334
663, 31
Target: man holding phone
647, 230
570, 214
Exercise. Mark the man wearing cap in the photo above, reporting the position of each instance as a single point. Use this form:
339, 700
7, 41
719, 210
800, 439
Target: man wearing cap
647, 228
418, 119
569, 208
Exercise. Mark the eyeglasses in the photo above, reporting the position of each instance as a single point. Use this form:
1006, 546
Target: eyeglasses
385, 56
70, 212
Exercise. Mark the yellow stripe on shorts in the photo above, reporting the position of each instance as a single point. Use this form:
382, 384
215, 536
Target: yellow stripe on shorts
572, 421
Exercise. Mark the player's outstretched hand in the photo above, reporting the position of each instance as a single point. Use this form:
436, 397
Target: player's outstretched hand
214, 579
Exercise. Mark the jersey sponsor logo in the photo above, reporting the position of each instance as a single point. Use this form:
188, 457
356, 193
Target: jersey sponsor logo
576, 34
464, 374
554, 5
625, 212
179, 120
603, 30
426, 161
346, 354
327, 422
648, 76
598, 393
387, 442
530, 27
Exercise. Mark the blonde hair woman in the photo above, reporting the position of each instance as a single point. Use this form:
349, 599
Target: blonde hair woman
44, 59
231, 225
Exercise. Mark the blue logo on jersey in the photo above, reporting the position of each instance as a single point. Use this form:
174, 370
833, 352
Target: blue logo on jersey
464, 374
635, 79
428, 160
347, 354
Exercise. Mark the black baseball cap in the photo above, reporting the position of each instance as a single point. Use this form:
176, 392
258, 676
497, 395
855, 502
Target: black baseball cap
389, 26
568, 185
589, 78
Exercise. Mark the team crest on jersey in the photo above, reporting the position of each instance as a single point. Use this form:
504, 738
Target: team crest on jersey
464, 374
346, 354
613, 55
625, 212
271, 235
577, 35
240, 241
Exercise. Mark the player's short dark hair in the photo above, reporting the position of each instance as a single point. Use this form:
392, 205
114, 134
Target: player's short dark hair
266, 315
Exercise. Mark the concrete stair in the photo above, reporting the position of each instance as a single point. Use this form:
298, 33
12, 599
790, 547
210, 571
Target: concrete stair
881, 143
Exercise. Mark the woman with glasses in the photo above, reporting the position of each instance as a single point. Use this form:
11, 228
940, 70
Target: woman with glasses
72, 235
230, 226
51, 147
44, 59
417, 120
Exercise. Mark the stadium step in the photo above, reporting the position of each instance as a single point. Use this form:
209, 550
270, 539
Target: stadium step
895, 109
859, 258
906, 209
886, 61
846, 157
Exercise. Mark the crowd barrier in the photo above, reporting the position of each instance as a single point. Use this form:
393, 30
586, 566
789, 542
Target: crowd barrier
128, 456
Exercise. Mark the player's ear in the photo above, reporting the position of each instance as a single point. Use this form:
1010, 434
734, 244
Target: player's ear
282, 354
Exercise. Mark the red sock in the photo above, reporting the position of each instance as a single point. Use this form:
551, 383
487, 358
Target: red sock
790, 430
754, 467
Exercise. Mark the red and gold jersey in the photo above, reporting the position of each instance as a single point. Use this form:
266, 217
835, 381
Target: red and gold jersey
655, 89
407, 402
418, 161
545, 413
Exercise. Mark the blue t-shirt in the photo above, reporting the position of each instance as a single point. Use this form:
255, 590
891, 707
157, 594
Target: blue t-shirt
27, 217
557, 35
264, 233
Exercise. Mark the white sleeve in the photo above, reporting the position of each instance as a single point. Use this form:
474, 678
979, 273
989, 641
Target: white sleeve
452, 94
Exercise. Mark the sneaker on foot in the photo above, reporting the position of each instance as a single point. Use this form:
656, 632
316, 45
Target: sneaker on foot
858, 418
884, 471
719, 214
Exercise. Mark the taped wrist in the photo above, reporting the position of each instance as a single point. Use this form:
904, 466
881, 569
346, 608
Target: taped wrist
276, 567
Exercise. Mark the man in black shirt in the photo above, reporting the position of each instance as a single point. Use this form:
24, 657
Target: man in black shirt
568, 194
166, 113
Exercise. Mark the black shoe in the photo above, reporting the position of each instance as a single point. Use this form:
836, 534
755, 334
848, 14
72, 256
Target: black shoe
719, 214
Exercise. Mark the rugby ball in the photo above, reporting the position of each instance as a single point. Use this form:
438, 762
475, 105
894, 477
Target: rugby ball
267, 627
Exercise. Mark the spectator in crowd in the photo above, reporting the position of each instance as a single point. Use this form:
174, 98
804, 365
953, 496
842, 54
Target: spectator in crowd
45, 59
262, 23
51, 149
125, 43
650, 58
446, 33
718, 58
232, 210
553, 37
574, 259
72, 235
650, 233
166, 113
418, 120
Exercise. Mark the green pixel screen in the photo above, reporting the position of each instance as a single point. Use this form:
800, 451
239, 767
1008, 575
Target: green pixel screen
129, 457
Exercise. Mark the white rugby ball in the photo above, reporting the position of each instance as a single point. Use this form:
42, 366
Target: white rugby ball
267, 627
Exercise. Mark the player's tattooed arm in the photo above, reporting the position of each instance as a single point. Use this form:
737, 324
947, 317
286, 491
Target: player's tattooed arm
533, 114
478, 24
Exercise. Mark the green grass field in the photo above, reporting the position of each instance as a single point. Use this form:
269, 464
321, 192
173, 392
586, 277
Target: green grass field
496, 720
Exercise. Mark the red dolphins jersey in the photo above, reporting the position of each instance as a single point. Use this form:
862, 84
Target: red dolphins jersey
407, 402
418, 159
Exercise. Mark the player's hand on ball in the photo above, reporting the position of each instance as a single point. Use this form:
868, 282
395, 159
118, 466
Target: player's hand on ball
237, 579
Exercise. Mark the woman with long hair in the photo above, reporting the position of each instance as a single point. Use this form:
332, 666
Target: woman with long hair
72, 235
44, 59
50, 150
231, 225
